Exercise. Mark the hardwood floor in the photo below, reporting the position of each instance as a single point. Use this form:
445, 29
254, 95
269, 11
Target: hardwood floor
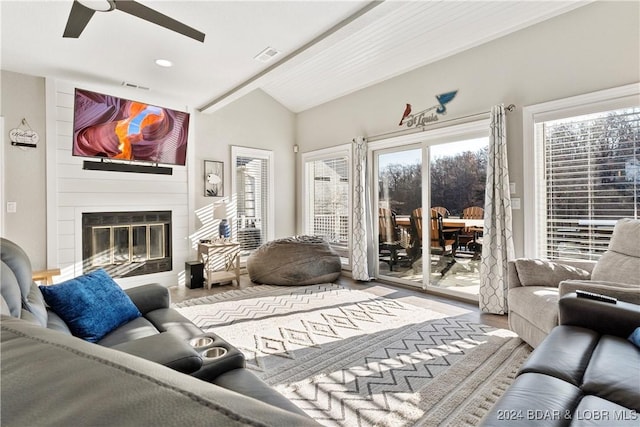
417, 297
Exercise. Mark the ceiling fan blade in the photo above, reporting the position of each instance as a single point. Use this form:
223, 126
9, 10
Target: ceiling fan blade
78, 19
141, 11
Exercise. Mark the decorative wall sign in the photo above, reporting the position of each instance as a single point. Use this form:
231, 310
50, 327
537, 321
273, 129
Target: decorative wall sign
428, 115
213, 178
24, 136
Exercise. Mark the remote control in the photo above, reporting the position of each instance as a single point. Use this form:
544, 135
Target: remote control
597, 297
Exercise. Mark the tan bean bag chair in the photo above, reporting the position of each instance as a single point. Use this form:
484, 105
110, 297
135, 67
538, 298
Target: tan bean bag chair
301, 260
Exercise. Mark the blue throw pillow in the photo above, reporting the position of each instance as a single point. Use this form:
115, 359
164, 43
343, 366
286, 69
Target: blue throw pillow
91, 305
635, 337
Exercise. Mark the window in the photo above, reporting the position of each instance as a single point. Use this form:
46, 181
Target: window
587, 176
327, 198
252, 182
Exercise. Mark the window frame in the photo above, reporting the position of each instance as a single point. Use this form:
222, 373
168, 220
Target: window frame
533, 172
237, 151
340, 151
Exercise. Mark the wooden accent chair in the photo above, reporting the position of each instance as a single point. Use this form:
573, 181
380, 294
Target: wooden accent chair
442, 211
415, 245
443, 243
446, 243
390, 247
471, 237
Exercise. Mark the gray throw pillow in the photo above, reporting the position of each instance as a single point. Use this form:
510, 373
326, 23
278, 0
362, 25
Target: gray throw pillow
537, 272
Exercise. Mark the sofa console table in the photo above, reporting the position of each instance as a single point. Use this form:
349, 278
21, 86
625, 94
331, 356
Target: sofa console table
221, 262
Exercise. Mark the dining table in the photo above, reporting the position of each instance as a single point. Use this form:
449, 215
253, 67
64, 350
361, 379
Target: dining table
449, 222
462, 223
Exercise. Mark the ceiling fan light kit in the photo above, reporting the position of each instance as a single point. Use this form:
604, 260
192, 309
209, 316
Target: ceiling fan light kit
98, 5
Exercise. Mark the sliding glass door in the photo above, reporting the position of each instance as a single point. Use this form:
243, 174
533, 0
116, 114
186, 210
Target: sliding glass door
399, 191
429, 210
457, 172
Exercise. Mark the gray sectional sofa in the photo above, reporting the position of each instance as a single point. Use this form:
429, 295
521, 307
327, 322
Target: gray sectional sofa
152, 370
535, 285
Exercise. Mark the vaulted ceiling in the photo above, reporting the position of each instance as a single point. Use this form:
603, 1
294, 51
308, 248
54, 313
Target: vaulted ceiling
327, 48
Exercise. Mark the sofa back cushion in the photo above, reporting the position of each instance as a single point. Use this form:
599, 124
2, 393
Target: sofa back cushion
91, 305
621, 262
537, 272
21, 296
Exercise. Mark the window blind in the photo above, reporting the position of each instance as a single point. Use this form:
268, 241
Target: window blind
252, 175
328, 212
592, 179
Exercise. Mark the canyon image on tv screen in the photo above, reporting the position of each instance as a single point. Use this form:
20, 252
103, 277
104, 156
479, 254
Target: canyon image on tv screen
106, 126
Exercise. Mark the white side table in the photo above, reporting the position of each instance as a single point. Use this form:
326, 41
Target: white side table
221, 262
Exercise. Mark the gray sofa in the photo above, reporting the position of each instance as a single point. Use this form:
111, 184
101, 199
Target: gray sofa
535, 285
585, 373
50, 377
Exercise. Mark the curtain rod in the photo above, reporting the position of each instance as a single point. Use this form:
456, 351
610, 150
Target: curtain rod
508, 108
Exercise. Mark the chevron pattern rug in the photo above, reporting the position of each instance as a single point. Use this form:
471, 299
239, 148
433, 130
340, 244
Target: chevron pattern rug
349, 358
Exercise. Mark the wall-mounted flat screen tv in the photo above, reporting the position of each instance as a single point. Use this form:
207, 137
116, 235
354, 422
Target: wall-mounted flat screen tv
106, 126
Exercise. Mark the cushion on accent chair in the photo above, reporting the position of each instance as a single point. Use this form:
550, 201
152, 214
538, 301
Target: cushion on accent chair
92, 305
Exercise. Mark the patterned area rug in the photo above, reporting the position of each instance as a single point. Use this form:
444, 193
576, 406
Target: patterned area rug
349, 358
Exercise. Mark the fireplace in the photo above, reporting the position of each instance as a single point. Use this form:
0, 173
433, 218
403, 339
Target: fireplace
126, 244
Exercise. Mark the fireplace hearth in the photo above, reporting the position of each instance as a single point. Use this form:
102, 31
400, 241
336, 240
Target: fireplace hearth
127, 244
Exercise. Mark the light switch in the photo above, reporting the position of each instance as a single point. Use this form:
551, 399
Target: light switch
512, 188
515, 203
12, 207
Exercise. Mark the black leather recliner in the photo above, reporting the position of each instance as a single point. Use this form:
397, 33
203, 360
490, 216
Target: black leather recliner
585, 372
160, 335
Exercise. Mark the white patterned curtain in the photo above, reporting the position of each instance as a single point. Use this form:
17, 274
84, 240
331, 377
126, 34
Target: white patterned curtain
361, 221
497, 244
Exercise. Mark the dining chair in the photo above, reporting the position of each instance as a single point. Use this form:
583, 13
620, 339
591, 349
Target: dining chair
473, 212
471, 237
444, 243
415, 243
390, 248
442, 211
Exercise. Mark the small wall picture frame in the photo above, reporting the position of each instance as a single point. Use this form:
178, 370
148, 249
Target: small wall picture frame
213, 178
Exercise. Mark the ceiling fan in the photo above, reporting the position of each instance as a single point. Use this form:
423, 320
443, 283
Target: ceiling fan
83, 10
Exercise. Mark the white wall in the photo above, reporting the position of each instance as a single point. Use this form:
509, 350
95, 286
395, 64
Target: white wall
254, 121
51, 240
594, 47
24, 168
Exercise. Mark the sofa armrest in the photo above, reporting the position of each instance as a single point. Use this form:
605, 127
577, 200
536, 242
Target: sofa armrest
618, 319
165, 349
149, 297
513, 280
622, 291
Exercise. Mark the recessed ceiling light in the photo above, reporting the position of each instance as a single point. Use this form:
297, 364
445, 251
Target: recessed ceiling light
267, 55
164, 63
